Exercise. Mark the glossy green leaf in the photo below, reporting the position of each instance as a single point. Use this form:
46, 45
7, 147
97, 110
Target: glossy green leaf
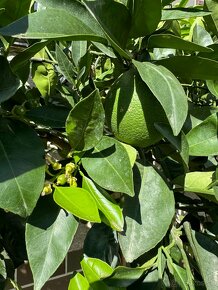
206, 254
132, 152
79, 282
49, 234
85, 123
199, 182
22, 167
146, 15
172, 41
203, 139
44, 77
110, 209
148, 215
167, 89
213, 87
109, 158
3, 272
9, 83
95, 270
13, 10
49, 116
104, 12
78, 201
191, 67
179, 142
182, 13
68, 25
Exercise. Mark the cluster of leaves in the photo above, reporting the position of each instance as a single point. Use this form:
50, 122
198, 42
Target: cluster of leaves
153, 210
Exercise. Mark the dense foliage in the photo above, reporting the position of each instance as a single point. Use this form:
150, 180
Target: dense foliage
73, 76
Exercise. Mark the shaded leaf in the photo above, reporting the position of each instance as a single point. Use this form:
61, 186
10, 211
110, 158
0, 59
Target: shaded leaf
182, 13
9, 83
148, 215
79, 49
212, 19
191, 67
202, 139
78, 201
213, 87
49, 234
109, 158
167, 89
172, 41
201, 36
146, 15
206, 254
180, 276
22, 167
85, 123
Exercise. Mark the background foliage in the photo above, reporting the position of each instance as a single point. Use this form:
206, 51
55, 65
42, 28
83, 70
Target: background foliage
153, 208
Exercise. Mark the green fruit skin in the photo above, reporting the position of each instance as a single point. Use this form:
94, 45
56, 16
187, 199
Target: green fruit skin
131, 111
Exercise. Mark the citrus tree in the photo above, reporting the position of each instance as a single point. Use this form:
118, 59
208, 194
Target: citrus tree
109, 116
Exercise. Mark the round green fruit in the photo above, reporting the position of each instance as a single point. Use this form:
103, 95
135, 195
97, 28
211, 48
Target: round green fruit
131, 111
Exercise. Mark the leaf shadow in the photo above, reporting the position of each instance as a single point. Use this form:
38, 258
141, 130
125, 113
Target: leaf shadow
101, 154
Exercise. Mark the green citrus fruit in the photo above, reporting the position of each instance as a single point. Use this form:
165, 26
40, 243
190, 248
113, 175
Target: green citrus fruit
131, 111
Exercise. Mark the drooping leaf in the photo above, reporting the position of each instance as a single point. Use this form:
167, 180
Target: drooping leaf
49, 234
182, 13
191, 67
110, 209
9, 83
203, 138
145, 15
79, 282
68, 25
109, 158
22, 167
205, 251
148, 215
167, 89
78, 201
172, 41
84, 125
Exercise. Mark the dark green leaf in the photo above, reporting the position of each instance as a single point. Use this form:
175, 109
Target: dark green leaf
49, 234
203, 139
79, 282
212, 19
78, 201
110, 159
167, 89
13, 10
110, 209
49, 116
146, 15
105, 11
182, 13
206, 254
179, 142
191, 67
172, 41
9, 83
148, 215
22, 167
40, 25
85, 123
